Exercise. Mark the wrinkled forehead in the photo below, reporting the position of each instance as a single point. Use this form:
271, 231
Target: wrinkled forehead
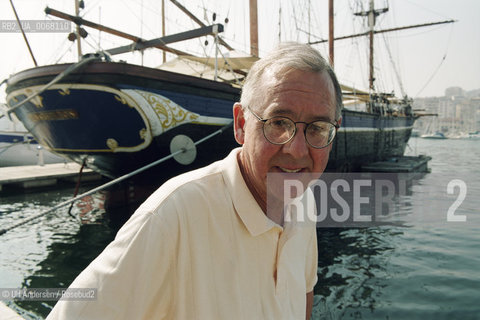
287, 82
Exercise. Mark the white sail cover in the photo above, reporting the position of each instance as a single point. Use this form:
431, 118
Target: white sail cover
231, 66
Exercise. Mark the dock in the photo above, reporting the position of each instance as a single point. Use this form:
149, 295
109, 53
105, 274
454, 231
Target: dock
404, 164
27, 177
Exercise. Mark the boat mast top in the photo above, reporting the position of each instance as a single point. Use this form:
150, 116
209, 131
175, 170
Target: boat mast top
77, 30
253, 28
331, 34
372, 14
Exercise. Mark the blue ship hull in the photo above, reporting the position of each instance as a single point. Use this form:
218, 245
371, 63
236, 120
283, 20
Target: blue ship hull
366, 137
119, 117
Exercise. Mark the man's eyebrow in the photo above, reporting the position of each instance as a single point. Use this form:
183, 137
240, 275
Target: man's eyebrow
291, 114
282, 112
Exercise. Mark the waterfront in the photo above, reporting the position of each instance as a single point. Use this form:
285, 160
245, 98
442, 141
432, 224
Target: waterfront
427, 269
418, 271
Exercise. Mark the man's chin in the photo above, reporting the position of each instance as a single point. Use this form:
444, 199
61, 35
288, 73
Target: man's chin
283, 187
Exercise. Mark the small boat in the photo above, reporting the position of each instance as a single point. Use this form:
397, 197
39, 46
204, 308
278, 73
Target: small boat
473, 136
436, 135
18, 147
467, 136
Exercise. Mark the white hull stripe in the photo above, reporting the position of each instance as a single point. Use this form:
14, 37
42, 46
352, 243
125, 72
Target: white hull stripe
212, 120
359, 129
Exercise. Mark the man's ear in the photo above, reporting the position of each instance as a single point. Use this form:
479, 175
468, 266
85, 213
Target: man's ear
239, 123
339, 121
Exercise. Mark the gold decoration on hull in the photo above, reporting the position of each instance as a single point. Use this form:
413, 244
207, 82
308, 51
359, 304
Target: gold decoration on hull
55, 115
169, 113
112, 144
64, 91
122, 100
143, 133
37, 101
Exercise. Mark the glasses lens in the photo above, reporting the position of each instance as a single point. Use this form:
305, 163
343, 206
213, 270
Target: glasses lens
279, 130
320, 134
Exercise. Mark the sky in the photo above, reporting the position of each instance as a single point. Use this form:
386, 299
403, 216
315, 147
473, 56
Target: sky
419, 62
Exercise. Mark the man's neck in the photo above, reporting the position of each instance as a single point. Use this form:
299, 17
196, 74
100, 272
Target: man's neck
261, 200
275, 210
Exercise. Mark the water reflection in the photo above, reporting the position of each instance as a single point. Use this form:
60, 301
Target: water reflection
67, 256
353, 263
51, 251
411, 270
364, 199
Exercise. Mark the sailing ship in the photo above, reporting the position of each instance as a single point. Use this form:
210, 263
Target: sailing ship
383, 130
116, 117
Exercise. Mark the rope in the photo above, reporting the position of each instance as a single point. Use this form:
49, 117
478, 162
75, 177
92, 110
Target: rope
433, 75
439, 65
394, 66
75, 193
115, 181
59, 77
15, 143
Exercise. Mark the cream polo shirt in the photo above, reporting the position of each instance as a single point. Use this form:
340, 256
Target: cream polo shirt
200, 248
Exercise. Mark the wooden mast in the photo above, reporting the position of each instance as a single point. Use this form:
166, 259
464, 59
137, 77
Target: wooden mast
77, 32
253, 28
372, 15
331, 36
371, 25
164, 54
23, 34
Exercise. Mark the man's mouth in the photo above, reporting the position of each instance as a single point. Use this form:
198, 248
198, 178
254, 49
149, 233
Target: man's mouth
290, 170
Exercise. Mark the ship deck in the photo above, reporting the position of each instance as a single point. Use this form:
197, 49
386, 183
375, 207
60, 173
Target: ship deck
403, 164
26, 177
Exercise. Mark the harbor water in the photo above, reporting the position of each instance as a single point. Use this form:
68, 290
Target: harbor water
420, 269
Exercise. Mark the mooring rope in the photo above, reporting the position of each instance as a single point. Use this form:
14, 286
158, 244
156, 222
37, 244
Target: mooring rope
77, 186
17, 143
115, 181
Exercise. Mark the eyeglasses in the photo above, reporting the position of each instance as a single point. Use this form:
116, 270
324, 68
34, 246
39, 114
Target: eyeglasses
280, 130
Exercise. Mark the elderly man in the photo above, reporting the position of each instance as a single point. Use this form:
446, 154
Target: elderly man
207, 244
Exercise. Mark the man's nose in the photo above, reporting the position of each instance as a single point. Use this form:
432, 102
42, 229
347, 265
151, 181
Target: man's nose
298, 146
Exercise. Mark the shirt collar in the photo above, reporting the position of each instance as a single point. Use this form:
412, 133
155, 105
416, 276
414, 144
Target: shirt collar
244, 203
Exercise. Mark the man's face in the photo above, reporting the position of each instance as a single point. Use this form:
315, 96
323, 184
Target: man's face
300, 96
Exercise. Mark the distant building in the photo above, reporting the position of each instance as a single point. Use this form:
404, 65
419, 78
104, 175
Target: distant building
454, 91
458, 112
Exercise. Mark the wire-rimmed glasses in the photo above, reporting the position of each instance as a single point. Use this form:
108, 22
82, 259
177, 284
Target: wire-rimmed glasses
280, 130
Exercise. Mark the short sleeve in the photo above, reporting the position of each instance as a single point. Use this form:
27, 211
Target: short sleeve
133, 275
311, 265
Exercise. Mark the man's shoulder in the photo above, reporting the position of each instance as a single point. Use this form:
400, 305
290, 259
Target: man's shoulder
201, 177
202, 183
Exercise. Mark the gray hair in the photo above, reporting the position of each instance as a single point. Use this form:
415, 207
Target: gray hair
287, 56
